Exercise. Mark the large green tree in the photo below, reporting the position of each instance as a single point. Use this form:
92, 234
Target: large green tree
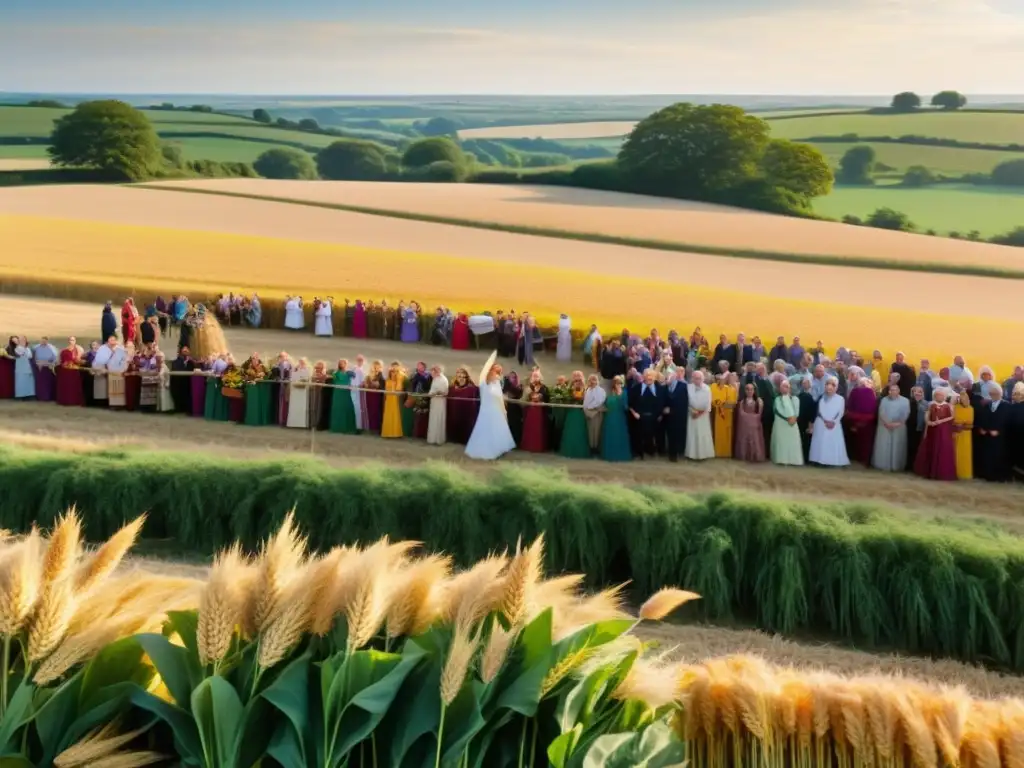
686, 150
261, 116
856, 165
439, 149
799, 168
949, 100
352, 159
110, 136
285, 163
907, 101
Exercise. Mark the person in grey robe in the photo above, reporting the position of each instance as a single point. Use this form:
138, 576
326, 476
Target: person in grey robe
890, 451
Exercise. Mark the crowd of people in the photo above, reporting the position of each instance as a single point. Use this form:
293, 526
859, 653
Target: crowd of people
632, 397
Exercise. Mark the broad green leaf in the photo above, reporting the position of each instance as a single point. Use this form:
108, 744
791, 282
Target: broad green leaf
561, 748
118, 662
186, 735
371, 681
55, 710
653, 747
289, 694
253, 733
15, 761
518, 686
218, 712
19, 711
462, 721
572, 650
415, 711
172, 662
286, 747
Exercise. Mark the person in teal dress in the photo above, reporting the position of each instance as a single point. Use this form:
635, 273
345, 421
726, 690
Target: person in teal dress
343, 412
257, 395
407, 412
615, 431
575, 444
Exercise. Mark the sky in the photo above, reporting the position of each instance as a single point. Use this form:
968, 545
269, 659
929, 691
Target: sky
798, 47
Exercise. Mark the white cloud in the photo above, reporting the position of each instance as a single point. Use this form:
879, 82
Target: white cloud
875, 46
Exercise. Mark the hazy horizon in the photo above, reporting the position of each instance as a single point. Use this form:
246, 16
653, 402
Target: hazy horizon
464, 47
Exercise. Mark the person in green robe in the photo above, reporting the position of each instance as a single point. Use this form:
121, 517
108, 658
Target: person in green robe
343, 412
407, 409
575, 443
257, 395
615, 430
786, 447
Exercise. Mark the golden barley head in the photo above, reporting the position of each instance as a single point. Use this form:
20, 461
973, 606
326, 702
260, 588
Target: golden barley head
456, 666
279, 565
222, 606
20, 580
63, 548
106, 559
664, 601
521, 578
416, 601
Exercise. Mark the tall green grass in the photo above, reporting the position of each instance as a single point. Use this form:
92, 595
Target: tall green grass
862, 573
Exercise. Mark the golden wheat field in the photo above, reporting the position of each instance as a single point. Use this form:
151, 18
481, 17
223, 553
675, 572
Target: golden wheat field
623, 215
96, 242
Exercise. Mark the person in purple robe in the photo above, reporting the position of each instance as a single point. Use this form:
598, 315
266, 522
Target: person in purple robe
198, 386
85, 372
796, 353
282, 373
44, 360
411, 324
859, 421
359, 320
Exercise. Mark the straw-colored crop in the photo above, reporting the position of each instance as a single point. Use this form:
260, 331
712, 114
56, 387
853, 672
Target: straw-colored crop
279, 565
742, 711
68, 258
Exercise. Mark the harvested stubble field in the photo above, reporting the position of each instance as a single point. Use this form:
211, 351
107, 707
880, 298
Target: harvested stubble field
97, 242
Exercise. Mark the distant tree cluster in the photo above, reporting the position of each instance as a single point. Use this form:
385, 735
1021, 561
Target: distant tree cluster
908, 101
47, 104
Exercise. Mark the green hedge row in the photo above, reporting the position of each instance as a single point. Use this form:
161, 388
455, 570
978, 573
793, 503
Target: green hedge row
863, 573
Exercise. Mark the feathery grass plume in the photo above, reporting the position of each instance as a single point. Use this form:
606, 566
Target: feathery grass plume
664, 601
1010, 732
606, 605
456, 666
521, 578
652, 681
496, 651
980, 748
51, 618
98, 744
913, 729
63, 548
330, 585
556, 593
416, 601
129, 760
473, 594
105, 559
565, 667
610, 653
947, 713
115, 595
279, 563
288, 625
369, 584
222, 607
20, 578
879, 697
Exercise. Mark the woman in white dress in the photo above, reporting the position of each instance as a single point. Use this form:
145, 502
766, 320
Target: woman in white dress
164, 401
358, 397
700, 445
294, 319
437, 422
828, 447
323, 326
564, 351
298, 396
491, 436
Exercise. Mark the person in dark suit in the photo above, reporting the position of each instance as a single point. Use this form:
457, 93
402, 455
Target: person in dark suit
677, 400
647, 408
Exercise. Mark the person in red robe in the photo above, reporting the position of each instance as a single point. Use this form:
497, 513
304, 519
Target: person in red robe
536, 422
859, 421
463, 405
132, 380
129, 324
460, 333
69, 379
936, 456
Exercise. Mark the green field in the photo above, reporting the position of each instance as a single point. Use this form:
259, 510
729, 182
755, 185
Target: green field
946, 160
199, 135
984, 127
945, 208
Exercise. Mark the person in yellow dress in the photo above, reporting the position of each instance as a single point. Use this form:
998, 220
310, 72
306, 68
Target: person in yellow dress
393, 387
963, 424
723, 405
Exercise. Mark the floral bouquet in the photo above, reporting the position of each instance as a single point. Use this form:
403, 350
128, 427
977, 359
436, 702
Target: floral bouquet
232, 382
